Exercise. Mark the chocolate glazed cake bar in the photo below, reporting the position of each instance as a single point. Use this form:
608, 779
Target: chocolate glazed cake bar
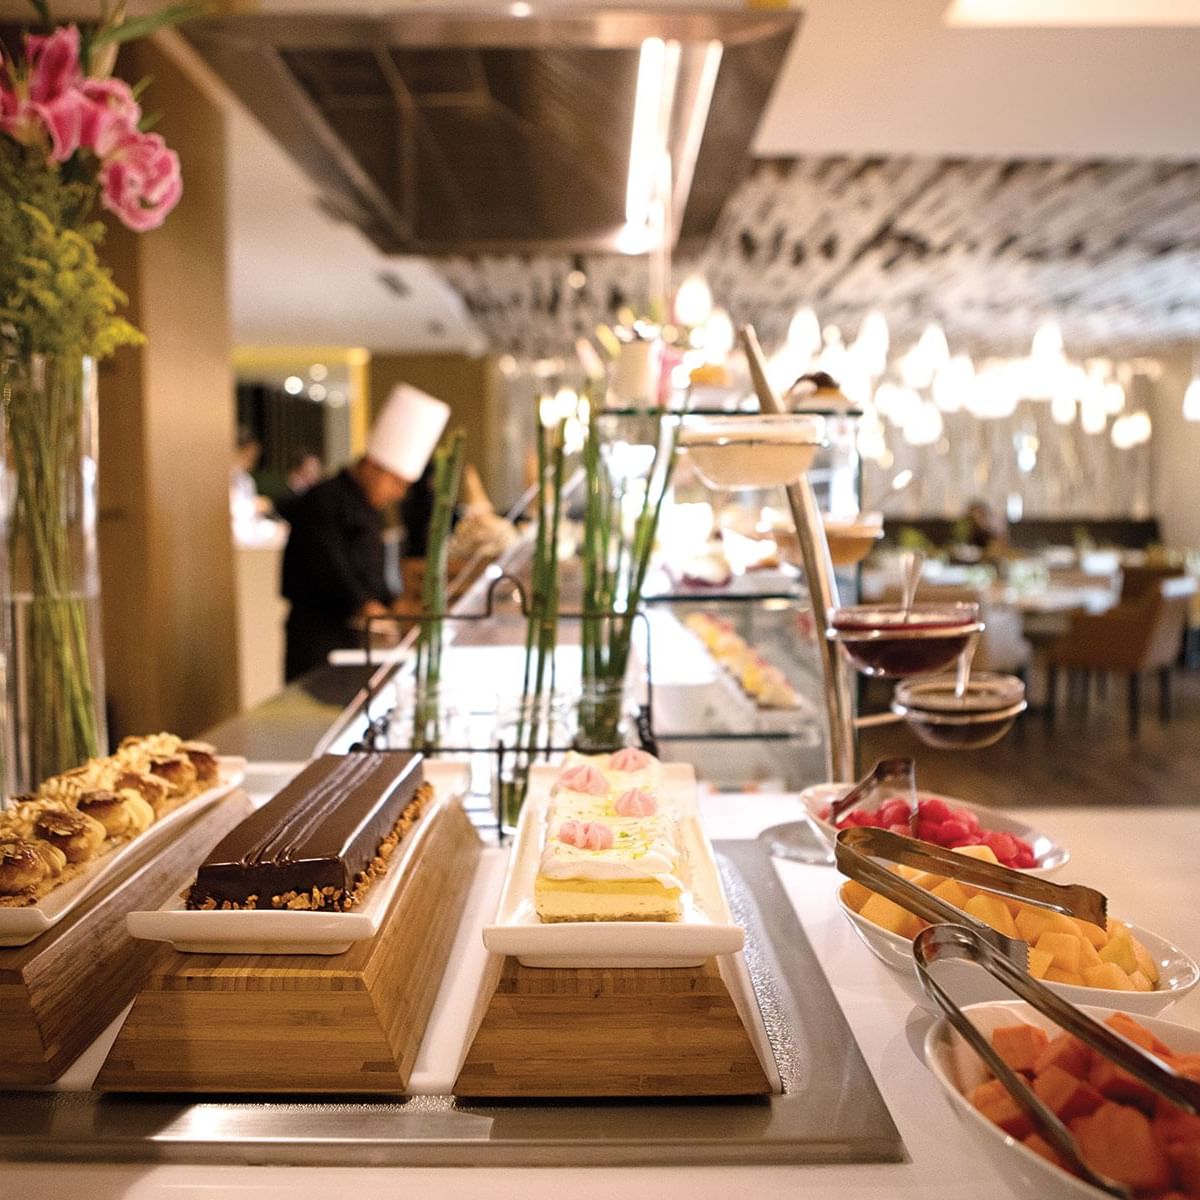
321, 841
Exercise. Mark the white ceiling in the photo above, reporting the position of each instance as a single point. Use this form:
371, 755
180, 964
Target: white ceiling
890, 77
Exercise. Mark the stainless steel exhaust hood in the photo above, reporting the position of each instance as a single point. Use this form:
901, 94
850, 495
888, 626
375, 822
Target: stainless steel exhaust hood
438, 133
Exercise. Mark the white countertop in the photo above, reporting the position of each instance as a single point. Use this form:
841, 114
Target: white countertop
1145, 859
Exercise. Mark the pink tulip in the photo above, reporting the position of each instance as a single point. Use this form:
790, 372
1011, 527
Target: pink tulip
140, 181
53, 63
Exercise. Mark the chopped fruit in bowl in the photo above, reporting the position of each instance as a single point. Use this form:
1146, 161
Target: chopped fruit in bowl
942, 821
1121, 1127
1077, 959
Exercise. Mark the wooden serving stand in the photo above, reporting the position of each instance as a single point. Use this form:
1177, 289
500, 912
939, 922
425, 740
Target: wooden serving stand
632, 1032
59, 992
348, 1023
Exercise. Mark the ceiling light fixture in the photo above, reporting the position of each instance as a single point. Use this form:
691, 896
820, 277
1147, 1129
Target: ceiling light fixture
1077, 13
658, 65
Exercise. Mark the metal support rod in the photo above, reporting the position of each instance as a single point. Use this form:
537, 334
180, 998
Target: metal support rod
822, 586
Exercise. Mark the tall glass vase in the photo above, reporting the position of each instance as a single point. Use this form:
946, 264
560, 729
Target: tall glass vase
54, 694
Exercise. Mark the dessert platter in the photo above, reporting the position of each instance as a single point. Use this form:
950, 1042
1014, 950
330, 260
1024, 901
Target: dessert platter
764, 684
335, 904
111, 835
82, 829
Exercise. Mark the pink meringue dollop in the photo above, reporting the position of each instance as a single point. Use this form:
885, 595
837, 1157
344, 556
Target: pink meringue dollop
586, 835
635, 803
629, 759
584, 777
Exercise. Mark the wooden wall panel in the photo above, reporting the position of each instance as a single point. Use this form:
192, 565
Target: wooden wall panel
167, 432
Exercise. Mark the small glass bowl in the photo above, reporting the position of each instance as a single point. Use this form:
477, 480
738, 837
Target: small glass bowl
751, 451
887, 641
981, 717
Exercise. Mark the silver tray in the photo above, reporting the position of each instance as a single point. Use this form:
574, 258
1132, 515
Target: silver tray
830, 1112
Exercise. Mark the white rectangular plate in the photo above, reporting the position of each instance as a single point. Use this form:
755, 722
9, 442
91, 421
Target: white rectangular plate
706, 929
19, 926
280, 931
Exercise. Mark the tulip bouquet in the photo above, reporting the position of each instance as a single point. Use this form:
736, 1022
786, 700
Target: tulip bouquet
72, 138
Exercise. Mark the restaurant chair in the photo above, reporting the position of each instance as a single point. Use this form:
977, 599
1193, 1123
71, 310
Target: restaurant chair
1142, 635
1136, 581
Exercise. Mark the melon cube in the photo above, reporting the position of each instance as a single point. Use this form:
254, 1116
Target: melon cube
1117, 1084
1065, 1095
855, 895
1137, 1033
1108, 975
928, 880
1039, 962
1119, 952
1119, 1142
1145, 960
1088, 957
1140, 982
988, 1093
1058, 975
953, 892
1033, 922
991, 910
1172, 1124
904, 872
983, 853
1064, 947
1185, 1158
1067, 1052
1094, 934
883, 912
1039, 1145
1020, 1045
1006, 1113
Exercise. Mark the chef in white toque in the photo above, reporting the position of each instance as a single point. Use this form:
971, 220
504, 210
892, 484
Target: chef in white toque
333, 566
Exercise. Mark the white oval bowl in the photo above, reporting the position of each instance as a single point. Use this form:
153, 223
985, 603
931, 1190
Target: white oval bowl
970, 984
1048, 854
957, 1068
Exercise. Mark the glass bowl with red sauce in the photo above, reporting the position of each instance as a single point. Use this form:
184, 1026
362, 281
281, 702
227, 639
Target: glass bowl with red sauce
892, 642
946, 721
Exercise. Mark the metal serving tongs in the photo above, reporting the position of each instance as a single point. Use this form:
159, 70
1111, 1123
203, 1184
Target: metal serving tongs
858, 848
957, 941
898, 774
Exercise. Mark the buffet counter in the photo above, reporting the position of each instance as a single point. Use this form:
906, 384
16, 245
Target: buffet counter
1143, 859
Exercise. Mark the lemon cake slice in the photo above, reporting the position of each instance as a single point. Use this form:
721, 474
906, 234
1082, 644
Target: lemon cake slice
611, 857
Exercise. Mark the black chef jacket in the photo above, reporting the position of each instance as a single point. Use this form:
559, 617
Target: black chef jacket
332, 565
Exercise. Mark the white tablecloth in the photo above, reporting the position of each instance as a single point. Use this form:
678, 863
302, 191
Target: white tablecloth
1145, 859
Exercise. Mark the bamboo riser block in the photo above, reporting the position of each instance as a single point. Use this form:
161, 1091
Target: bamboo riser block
593, 1032
349, 1023
58, 993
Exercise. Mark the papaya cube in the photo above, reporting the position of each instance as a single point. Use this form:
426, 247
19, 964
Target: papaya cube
1033, 922
855, 895
1117, 1084
1119, 952
1039, 1145
1069, 1053
1108, 975
1119, 1142
988, 1093
1067, 1096
952, 892
1094, 934
1064, 947
983, 853
1172, 1124
1039, 962
1006, 1113
1185, 1158
1138, 1034
1187, 1064
1058, 975
883, 912
1020, 1045
1145, 961
991, 910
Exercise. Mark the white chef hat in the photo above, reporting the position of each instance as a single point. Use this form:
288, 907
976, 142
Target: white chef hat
406, 432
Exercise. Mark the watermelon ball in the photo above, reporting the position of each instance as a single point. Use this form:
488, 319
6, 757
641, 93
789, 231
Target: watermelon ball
927, 830
952, 831
1003, 846
894, 811
1024, 860
900, 828
967, 817
933, 809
